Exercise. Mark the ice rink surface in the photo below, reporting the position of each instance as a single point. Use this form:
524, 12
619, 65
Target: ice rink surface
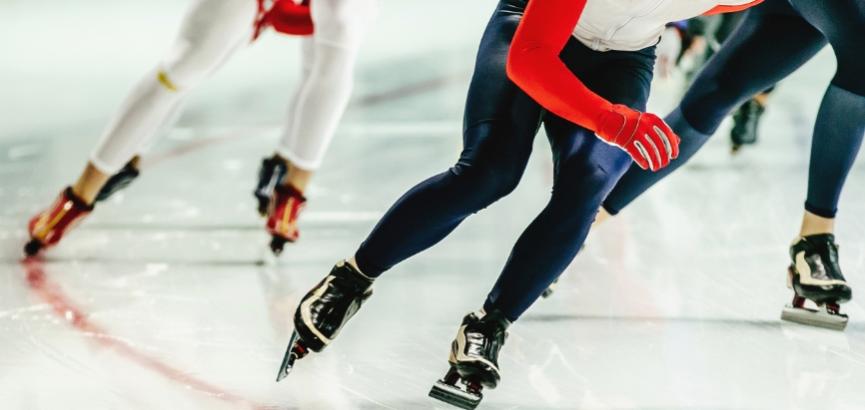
167, 296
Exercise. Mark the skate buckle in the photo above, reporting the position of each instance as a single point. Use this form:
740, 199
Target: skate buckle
295, 351
454, 390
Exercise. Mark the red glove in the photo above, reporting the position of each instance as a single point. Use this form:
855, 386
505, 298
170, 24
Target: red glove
644, 136
286, 17
535, 66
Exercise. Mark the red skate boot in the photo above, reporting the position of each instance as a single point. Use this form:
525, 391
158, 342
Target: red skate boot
284, 210
48, 227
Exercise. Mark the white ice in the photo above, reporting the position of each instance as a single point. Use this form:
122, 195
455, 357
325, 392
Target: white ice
167, 296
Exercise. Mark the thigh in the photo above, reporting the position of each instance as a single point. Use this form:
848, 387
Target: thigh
771, 42
210, 32
621, 78
843, 24
500, 120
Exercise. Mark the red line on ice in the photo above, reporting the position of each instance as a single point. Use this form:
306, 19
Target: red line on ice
53, 294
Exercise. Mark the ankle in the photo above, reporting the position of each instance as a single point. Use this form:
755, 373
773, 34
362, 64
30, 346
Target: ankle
813, 224
353, 263
89, 184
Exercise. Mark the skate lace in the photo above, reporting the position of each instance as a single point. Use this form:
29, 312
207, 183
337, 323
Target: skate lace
345, 296
478, 344
832, 253
824, 262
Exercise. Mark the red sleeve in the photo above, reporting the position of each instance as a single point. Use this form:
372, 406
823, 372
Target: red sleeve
731, 9
534, 63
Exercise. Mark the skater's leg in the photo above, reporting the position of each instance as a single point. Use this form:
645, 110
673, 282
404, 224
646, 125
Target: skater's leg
499, 126
837, 139
500, 123
815, 271
325, 90
586, 169
276, 170
329, 60
771, 42
89, 183
210, 33
840, 122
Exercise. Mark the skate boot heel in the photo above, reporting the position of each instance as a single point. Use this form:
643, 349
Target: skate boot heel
284, 210
270, 175
296, 351
118, 181
746, 121
454, 390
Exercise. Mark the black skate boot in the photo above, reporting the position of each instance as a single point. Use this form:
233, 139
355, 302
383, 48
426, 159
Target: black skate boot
119, 181
270, 175
473, 359
815, 275
746, 120
324, 311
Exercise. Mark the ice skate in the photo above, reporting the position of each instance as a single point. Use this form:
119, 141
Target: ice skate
815, 275
270, 175
746, 122
118, 181
324, 311
49, 226
285, 208
473, 360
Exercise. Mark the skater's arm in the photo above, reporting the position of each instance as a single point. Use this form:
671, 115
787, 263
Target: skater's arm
731, 9
535, 66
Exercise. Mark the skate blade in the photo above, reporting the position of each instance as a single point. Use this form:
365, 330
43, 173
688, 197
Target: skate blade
289, 358
815, 318
455, 396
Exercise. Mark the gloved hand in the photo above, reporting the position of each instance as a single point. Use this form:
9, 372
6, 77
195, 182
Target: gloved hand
291, 17
644, 136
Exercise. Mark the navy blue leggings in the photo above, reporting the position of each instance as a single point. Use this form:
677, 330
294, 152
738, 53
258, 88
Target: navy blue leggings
773, 40
499, 127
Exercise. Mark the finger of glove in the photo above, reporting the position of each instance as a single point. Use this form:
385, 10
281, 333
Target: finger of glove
640, 155
655, 147
670, 138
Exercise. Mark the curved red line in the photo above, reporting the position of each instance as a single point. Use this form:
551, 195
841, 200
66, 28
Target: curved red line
51, 293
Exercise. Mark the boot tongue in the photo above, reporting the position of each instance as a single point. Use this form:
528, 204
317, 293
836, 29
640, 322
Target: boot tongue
497, 318
351, 276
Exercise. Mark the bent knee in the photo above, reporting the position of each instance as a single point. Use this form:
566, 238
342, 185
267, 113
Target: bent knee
851, 65
586, 187
489, 181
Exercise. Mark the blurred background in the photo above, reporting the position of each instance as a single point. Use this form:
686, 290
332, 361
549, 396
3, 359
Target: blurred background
168, 297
